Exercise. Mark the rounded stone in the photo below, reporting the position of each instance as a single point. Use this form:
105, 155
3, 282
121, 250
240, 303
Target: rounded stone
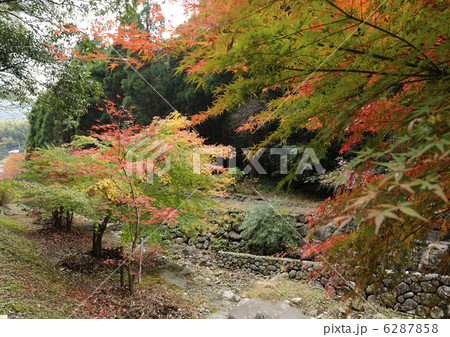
408, 294
428, 287
402, 288
299, 275
371, 298
409, 304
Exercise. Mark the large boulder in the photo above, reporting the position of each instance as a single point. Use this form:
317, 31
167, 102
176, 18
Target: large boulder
324, 232
434, 255
251, 309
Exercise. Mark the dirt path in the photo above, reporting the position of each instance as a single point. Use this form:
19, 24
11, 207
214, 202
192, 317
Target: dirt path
216, 290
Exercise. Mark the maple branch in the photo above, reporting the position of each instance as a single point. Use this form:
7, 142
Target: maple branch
368, 72
381, 29
380, 57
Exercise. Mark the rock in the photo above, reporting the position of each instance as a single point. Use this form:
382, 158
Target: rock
271, 268
429, 277
430, 299
206, 244
299, 275
432, 257
235, 244
179, 240
245, 235
296, 300
369, 290
402, 288
401, 299
436, 313
185, 272
179, 234
230, 296
428, 287
408, 294
191, 241
234, 236
312, 313
201, 239
292, 274
444, 291
409, 304
324, 232
357, 305
371, 299
251, 309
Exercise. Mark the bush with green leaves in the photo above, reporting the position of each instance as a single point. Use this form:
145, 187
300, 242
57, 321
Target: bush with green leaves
9, 191
58, 203
268, 229
237, 174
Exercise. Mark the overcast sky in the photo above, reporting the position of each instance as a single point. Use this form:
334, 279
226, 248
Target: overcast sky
173, 12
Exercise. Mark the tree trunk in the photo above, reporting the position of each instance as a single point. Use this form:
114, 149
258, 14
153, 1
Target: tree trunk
122, 276
131, 277
55, 218
97, 243
58, 217
69, 220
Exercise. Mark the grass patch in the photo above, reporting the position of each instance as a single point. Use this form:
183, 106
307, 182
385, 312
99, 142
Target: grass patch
278, 290
315, 300
29, 287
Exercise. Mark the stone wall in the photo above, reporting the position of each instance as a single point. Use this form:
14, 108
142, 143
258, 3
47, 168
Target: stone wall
423, 293
426, 295
227, 234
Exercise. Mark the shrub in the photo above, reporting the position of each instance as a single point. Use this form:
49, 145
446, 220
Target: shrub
8, 191
57, 202
268, 229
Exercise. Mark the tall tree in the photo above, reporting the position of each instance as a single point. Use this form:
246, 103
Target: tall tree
54, 116
347, 69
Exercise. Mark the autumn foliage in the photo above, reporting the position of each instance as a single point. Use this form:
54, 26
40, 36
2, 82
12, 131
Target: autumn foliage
140, 177
367, 74
362, 73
